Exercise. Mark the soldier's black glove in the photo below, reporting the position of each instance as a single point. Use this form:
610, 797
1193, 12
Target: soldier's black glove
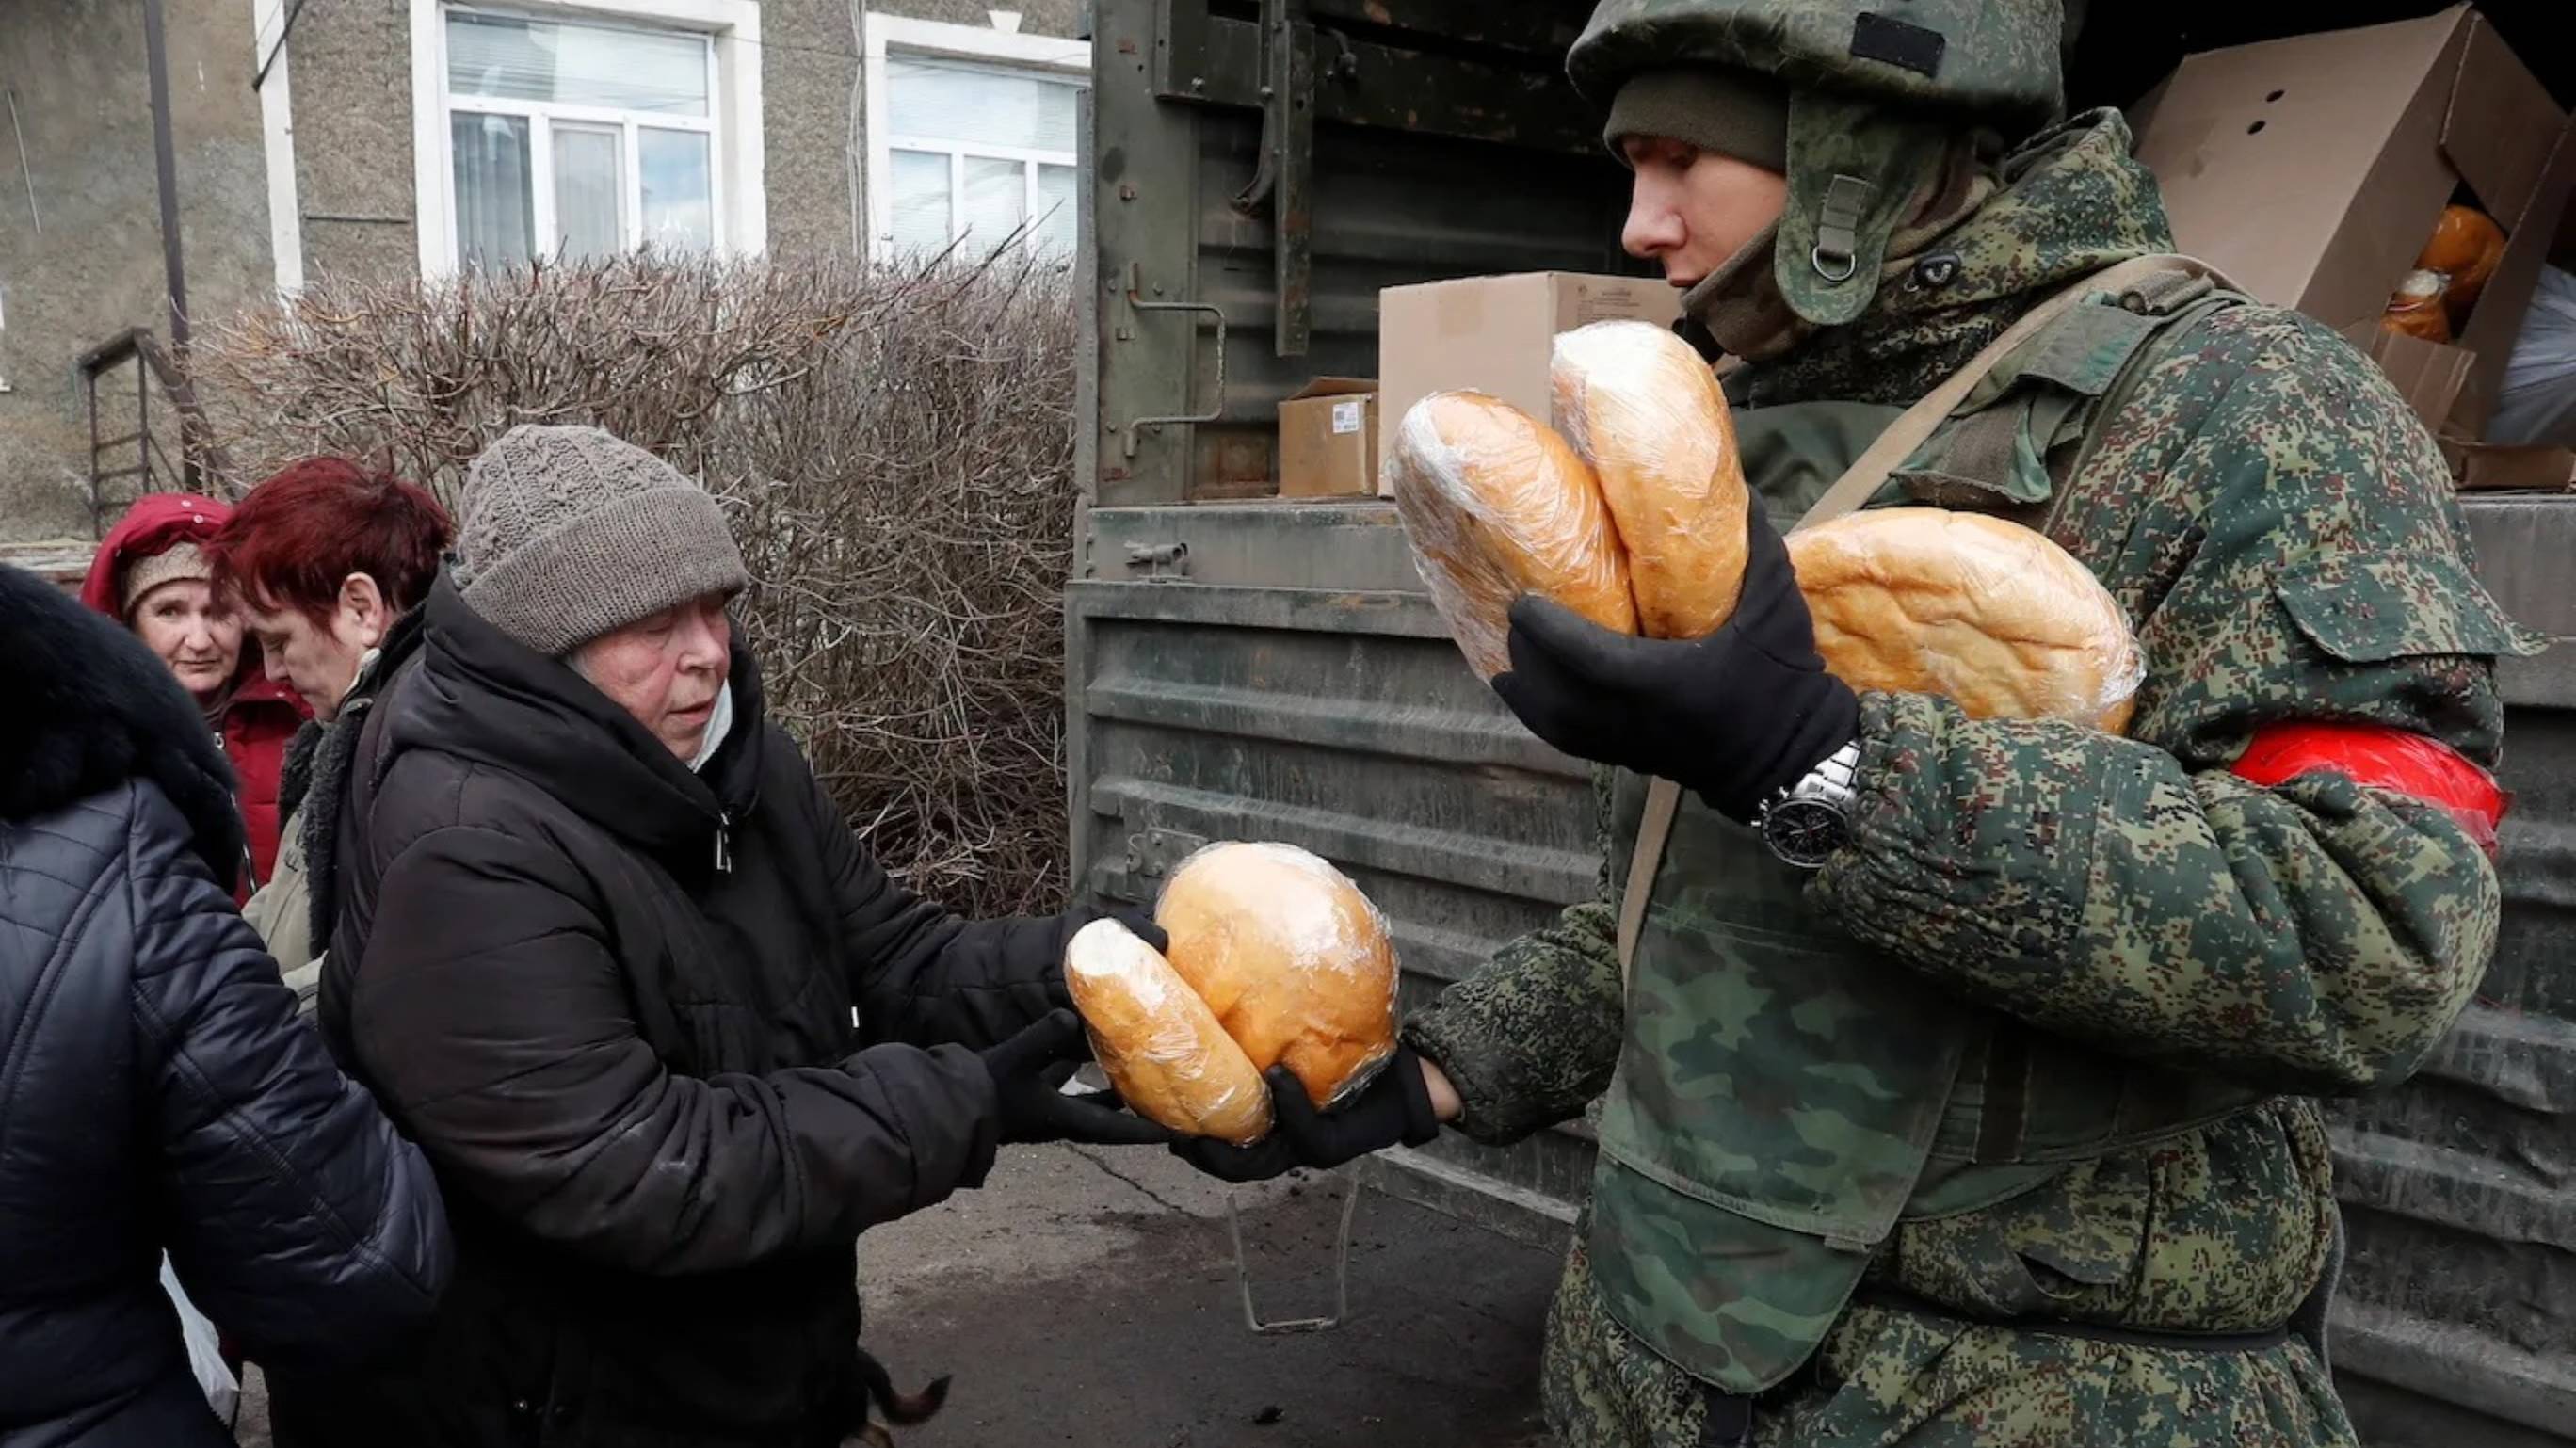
1736, 716
1394, 1108
1029, 1071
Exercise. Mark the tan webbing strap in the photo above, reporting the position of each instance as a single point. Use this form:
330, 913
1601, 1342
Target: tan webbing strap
1857, 486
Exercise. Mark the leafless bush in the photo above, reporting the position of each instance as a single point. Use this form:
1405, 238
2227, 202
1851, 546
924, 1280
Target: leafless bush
895, 447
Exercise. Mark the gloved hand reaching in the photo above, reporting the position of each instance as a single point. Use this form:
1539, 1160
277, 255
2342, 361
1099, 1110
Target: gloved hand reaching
1736, 716
1394, 1108
1029, 1071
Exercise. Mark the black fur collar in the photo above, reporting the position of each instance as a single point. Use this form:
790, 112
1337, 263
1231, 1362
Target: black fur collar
92, 709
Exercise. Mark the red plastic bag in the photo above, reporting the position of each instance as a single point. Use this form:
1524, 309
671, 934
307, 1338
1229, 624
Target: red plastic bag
2382, 758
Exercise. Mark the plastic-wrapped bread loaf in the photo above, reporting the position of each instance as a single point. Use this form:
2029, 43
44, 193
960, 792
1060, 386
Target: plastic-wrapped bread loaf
1293, 960
2466, 248
1164, 1050
1495, 506
1982, 611
1639, 405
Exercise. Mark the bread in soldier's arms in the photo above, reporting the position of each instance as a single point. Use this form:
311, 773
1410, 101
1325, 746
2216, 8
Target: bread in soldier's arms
1292, 958
1164, 1050
1639, 405
1496, 505
1979, 610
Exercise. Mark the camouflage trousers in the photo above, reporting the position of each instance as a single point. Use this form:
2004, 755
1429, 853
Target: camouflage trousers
1887, 1378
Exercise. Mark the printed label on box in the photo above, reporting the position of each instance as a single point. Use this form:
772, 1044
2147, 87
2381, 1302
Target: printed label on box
1346, 417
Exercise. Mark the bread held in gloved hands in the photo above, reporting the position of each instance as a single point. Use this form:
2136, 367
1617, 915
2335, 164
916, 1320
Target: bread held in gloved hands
1394, 1109
1275, 960
1495, 506
1918, 600
1638, 404
1029, 1072
1158, 1042
1736, 716
1985, 613
1291, 957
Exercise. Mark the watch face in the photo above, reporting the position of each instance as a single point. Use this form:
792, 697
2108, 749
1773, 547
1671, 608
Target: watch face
1805, 832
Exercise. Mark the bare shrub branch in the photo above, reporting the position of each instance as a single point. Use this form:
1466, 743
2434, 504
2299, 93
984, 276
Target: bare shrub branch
895, 447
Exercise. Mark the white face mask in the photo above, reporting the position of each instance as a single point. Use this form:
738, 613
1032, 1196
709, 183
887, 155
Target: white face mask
719, 724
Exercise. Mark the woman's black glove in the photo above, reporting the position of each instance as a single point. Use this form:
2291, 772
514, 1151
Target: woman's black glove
1737, 716
1029, 1071
1392, 1109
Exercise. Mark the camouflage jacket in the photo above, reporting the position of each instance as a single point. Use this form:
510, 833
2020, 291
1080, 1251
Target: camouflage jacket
2282, 534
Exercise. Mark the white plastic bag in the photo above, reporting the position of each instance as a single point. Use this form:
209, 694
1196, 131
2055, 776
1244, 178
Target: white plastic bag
205, 1356
2538, 407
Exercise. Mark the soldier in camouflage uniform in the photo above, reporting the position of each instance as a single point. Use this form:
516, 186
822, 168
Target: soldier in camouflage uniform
1993, 1130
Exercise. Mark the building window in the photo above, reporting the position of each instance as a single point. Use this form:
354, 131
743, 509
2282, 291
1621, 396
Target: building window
594, 128
575, 140
973, 138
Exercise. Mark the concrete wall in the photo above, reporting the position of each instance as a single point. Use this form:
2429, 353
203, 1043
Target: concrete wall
76, 69
809, 79
351, 81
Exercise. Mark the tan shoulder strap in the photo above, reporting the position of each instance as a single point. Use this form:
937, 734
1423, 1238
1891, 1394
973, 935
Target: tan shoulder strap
1861, 483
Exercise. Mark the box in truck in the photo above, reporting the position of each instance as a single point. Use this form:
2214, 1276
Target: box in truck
1494, 334
2312, 170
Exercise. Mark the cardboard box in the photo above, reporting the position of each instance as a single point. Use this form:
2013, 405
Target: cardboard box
2312, 171
2487, 467
1495, 334
1328, 440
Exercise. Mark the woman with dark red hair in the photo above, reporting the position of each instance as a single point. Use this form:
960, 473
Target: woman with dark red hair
326, 563
152, 575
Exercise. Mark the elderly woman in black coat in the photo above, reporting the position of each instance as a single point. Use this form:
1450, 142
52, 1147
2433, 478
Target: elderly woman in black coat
672, 1036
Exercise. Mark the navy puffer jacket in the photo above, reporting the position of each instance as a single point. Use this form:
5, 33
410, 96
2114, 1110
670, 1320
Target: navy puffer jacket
156, 1090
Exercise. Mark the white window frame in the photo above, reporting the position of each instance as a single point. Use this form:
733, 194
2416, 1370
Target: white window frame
737, 152
977, 48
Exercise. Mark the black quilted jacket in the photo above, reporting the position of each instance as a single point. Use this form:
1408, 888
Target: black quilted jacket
156, 1091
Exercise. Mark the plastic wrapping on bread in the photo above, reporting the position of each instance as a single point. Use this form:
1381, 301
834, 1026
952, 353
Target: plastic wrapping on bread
1496, 505
1644, 410
1636, 520
2416, 308
1164, 1050
2466, 249
1982, 611
1293, 960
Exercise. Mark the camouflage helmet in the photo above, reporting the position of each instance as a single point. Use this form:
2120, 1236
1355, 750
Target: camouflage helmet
1998, 60
1875, 88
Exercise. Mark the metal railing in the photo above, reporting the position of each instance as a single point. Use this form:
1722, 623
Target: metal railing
139, 455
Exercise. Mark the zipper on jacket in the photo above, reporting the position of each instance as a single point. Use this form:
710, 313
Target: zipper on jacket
724, 844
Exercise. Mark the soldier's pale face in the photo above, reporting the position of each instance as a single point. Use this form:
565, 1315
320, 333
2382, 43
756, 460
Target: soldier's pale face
1693, 210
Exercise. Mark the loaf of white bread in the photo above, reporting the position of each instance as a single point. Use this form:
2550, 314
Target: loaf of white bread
1981, 611
1496, 506
1652, 502
1642, 408
1275, 958
1159, 1043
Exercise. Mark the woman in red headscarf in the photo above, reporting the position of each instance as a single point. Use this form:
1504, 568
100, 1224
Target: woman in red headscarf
153, 576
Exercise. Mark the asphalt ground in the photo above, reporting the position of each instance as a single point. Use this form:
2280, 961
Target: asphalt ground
1088, 1297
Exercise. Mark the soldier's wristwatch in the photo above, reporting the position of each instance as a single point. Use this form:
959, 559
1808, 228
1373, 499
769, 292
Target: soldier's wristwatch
1805, 823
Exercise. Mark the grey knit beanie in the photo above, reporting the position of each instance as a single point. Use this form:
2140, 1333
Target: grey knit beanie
1731, 112
571, 533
